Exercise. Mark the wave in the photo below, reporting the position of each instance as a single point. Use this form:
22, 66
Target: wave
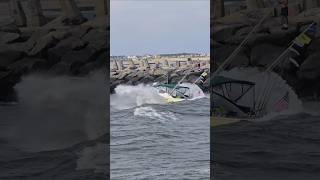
151, 113
55, 112
127, 96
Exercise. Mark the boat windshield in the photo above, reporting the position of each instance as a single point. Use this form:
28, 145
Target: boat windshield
182, 92
238, 92
175, 91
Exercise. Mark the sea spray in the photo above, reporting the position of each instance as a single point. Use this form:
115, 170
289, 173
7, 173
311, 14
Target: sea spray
57, 112
127, 96
131, 96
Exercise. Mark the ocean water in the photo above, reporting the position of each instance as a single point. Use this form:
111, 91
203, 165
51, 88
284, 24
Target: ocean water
56, 130
284, 147
154, 140
278, 146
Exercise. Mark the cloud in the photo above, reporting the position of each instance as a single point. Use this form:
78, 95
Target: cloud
140, 27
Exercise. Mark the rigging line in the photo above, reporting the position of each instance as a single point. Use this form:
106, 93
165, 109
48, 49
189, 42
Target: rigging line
204, 71
161, 76
262, 93
180, 81
268, 94
275, 62
237, 50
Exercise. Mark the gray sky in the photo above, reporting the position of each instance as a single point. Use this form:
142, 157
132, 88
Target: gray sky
159, 26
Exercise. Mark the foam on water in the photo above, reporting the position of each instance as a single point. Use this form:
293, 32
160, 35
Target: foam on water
161, 141
127, 96
149, 112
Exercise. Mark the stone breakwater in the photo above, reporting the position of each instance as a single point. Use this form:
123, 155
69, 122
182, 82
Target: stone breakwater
71, 51
66, 44
146, 71
267, 43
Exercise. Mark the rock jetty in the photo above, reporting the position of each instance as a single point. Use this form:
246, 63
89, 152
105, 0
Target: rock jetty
146, 71
68, 44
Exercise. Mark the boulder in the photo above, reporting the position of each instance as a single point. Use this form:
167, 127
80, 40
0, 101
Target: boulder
241, 60
7, 81
63, 47
27, 65
314, 46
75, 59
8, 37
131, 64
35, 17
10, 27
243, 31
60, 68
80, 31
43, 43
98, 63
73, 43
17, 12
64, 21
60, 34
36, 36
280, 36
96, 39
222, 53
265, 54
226, 32
9, 56
310, 68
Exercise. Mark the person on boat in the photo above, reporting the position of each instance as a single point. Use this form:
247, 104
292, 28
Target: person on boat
284, 13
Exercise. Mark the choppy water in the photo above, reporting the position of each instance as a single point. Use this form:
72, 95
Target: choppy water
285, 147
158, 140
277, 146
56, 130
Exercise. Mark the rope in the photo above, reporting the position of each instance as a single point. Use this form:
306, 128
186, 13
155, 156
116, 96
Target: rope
237, 50
180, 82
277, 61
267, 91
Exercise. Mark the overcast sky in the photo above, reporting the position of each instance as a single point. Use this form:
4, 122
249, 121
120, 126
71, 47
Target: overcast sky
159, 26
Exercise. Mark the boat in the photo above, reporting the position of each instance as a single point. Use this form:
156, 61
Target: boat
177, 92
232, 97
228, 94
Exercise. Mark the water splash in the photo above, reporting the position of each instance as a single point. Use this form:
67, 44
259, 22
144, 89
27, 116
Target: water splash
57, 112
127, 97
